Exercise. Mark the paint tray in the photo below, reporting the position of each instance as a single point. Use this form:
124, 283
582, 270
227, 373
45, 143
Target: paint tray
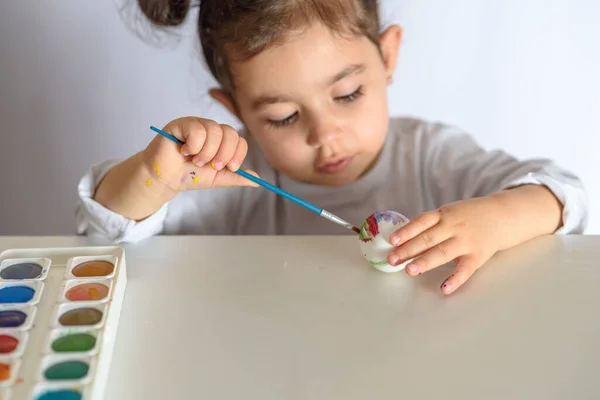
59, 314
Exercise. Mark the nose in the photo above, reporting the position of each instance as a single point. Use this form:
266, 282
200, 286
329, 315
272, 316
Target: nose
324, 132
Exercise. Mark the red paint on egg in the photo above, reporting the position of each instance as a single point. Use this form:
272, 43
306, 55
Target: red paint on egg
372, 227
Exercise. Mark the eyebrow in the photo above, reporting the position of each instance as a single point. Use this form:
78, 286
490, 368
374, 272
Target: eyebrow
349, 70
266, 100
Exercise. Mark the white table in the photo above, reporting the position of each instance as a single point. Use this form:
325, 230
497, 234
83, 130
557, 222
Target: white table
290, 318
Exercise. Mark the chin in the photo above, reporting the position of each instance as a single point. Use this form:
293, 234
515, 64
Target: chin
324, 180
336, 180
332, 180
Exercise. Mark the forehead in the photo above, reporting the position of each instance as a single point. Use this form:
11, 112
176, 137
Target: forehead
303, 59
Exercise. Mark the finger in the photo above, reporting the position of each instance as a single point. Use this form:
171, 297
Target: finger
228, 147
415, 227
214, 137
180, 129
227, 178
194, 135
239, 155
465, 268
439, 255
419, 244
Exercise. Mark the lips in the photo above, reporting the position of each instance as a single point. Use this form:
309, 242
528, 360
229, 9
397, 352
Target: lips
335, 166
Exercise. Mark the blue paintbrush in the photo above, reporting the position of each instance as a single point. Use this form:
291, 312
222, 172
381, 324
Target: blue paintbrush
275, 189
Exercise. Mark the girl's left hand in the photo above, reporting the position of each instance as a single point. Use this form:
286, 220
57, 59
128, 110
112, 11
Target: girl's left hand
469, 232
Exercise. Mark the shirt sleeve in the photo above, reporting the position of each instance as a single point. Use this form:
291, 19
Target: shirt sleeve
95, 220
459, 168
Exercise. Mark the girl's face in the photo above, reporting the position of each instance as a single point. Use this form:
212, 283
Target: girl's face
316, 104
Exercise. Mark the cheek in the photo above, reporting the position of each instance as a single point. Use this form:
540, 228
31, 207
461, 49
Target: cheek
377, 105
370, 123
285, 153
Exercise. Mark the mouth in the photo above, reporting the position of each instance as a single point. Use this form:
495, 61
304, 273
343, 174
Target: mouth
335, 166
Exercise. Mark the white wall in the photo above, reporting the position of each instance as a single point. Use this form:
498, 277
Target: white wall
76, 87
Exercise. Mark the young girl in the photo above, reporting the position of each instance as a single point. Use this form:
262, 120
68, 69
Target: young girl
308, 80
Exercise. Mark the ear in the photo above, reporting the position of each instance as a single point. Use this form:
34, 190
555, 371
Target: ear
390, 47
225, 99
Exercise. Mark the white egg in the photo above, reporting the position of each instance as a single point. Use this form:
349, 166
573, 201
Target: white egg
374, 239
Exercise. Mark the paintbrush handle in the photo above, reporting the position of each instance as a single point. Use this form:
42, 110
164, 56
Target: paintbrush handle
168, 136
323, 213
280, 192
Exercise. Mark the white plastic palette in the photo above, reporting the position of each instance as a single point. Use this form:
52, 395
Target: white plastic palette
59, 316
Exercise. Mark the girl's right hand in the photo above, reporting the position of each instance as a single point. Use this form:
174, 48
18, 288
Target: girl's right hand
208, 159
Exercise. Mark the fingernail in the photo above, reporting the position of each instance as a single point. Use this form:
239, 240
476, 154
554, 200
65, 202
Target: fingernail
234, 167
446, 287
394, 259
413, 268
217, 165
199, 164
183, 151
394, 240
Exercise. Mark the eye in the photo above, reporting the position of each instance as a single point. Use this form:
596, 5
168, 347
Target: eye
352, 96
284, 122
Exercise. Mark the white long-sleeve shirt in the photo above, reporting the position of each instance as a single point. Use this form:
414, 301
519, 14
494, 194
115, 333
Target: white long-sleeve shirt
422, 167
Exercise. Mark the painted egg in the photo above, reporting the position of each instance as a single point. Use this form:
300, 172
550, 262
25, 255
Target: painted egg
374, 238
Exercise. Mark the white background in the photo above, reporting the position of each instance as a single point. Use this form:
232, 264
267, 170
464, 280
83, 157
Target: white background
77, 86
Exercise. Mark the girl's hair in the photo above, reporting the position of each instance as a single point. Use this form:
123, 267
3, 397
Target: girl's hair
236, 30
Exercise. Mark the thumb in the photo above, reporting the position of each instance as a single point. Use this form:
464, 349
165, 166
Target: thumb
227, 178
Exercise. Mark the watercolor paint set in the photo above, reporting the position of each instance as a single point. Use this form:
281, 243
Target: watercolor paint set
59, 314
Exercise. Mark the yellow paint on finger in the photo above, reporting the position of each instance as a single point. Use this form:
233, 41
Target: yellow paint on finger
212, 165
149, 182
196, 180
157, 169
